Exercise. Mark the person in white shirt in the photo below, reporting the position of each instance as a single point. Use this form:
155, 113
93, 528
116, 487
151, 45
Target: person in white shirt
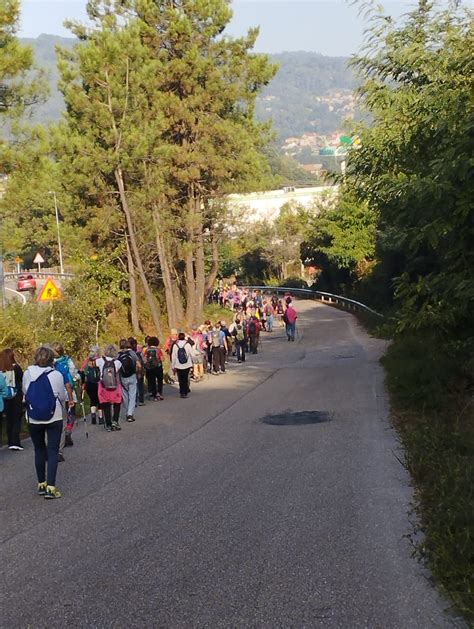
181, 363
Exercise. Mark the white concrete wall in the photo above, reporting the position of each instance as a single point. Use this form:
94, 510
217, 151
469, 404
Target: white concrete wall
265, 206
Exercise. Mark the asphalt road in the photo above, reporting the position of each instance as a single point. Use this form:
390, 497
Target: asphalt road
201, 515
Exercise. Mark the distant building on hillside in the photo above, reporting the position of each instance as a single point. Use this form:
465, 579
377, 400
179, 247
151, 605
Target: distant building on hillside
313, 169
266, 206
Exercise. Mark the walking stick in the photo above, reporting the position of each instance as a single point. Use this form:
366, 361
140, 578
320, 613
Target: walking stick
84, 417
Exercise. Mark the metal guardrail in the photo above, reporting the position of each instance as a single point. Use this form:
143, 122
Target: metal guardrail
329, 298
40, 275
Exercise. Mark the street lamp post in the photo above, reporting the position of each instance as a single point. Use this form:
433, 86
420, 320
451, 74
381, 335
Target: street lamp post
61, 266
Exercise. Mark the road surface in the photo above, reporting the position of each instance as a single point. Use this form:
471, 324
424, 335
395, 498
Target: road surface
200, 514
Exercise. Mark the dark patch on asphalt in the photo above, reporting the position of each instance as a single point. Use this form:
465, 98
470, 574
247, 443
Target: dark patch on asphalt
343, 357
302, 418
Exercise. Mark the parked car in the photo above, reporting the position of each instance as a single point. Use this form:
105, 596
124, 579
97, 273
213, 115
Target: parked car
26, 282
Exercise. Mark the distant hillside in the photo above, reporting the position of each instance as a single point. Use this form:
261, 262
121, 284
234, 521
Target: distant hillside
310, 93
45, 56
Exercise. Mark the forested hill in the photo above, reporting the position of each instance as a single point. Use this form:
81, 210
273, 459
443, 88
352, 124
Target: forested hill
310, 92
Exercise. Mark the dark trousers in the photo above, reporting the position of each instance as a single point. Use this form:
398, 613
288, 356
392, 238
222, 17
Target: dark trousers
183, 379
46, 453
107, 408
253, 343
155, 381
92, 390
140, 390
218, 359
13, 413
240, 347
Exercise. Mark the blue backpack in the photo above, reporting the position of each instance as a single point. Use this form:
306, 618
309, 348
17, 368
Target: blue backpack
40, 399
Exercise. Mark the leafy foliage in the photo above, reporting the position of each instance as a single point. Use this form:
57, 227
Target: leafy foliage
341, 243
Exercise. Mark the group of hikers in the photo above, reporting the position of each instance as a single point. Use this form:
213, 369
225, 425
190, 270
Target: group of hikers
113, 379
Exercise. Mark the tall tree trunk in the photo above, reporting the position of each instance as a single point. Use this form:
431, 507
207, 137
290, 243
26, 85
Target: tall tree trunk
152, 303
190, 286
133, 291
170, 290
200, 264
189, 258
212, 275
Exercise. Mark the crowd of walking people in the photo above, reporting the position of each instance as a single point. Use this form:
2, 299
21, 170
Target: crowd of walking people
114, 380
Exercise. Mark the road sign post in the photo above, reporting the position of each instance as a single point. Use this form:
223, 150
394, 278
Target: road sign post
2, 284
39, 260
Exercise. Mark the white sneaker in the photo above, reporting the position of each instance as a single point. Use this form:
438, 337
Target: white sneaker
18, 448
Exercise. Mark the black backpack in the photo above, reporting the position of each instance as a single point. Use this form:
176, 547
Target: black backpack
252, 328
182, 355
129, 366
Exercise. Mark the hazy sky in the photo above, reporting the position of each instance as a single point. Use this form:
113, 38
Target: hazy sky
331, 27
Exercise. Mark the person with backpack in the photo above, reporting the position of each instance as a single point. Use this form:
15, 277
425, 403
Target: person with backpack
181, 363
3, 396
90, 383
198, 353
153, 359
253, 331
110, 387
45, 394
64, 364
128, 376
237, 331
219, 348
140, 373
13, 400
289, 318
269, 313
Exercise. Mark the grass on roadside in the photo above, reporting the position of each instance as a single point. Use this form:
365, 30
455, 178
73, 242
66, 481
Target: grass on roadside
435, 419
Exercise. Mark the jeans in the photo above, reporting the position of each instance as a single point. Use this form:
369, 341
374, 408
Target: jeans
270, 323
240, 347
291, 331
129, 386
46, 452
183, 379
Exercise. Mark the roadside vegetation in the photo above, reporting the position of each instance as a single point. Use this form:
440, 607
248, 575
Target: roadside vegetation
401, 241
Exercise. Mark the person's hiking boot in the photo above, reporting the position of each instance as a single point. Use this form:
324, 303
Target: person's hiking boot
108, 428
93, 419
42, 488
115, 426
68, 442
61, 458
101, 421
52, 492
130, 418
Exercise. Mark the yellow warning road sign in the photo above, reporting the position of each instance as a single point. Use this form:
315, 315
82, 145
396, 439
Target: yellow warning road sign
50, 292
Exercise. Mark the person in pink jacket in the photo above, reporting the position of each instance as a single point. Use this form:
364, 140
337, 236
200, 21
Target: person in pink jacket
110, 387
289, 318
